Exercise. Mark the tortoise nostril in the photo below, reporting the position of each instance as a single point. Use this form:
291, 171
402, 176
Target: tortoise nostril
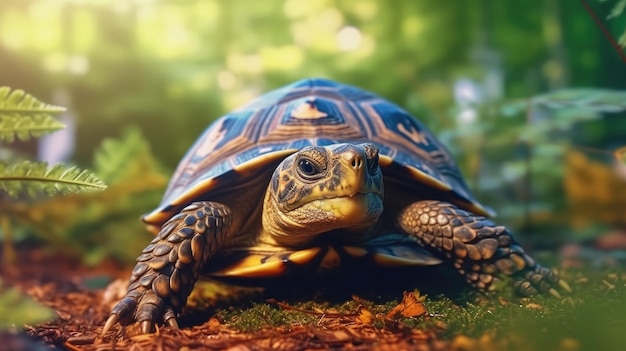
356, 161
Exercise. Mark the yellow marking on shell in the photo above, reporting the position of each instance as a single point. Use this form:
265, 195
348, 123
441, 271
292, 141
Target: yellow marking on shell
252, 266
154, 229
425, 178
479, 209
304, 256
331, 259
210, 141
384, 160
157, 218
415, 135
355, 251
308, 110
383, 135
261, 161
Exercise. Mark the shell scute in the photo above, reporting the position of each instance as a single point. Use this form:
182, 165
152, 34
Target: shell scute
311, 112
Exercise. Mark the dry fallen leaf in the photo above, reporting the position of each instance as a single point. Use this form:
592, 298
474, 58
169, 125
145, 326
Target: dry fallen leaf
364, 316
609, 285
534, 306
213, 326
412, 305
582, 280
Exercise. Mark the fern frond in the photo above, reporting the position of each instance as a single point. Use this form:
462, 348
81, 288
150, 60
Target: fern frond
35, 178
128, 156
25, 117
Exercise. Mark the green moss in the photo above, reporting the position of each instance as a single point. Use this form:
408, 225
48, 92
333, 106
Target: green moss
593, 316
261, 315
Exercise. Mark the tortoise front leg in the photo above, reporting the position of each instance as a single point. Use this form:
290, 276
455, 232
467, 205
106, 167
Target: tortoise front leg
168, 268
478, 248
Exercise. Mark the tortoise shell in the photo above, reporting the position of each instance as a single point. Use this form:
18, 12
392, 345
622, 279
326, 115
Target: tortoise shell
311, 112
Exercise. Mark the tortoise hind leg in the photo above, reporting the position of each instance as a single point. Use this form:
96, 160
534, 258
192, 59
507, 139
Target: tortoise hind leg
169, 266
478, 249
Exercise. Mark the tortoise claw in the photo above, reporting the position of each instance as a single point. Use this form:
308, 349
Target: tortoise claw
169, 266
537, 279
170, 318
113, 319
172, 323
146, 327
554, 293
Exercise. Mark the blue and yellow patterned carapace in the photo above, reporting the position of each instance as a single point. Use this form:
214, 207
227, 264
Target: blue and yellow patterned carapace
305, 178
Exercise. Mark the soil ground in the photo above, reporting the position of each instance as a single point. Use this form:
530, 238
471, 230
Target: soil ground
77, 294
81, 298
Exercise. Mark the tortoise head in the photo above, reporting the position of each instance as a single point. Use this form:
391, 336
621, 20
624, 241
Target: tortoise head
321, 189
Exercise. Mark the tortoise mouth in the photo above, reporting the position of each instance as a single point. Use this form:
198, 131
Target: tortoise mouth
347, 210
360, 193
339, 199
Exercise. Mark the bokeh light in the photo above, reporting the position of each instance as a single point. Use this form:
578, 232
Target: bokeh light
349, 38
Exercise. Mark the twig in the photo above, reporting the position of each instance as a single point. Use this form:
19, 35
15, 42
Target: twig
605, 31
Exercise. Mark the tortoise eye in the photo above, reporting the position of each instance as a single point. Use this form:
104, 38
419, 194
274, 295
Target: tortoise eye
307, 169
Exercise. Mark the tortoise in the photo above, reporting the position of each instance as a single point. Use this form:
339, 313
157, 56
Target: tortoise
312, 175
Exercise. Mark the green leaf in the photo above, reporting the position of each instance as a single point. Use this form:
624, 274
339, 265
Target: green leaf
601, 100
617, 9
35, 178
24, 117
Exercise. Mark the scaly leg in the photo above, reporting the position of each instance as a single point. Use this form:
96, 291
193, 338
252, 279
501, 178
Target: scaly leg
478, 249
168, 268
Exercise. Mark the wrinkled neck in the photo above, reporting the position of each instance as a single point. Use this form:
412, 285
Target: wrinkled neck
302, 226
281, 230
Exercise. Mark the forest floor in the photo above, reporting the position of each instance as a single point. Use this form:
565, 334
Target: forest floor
592, 317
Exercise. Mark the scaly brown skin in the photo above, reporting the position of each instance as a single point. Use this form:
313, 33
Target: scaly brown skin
169, 266
478, 248
312, 192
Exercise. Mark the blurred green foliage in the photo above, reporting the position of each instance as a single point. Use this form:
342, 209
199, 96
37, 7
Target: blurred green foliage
22, 116
529, 96
168, 68
616, 12
183, 63
520, 150
17, 309
620, 155
99, 225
